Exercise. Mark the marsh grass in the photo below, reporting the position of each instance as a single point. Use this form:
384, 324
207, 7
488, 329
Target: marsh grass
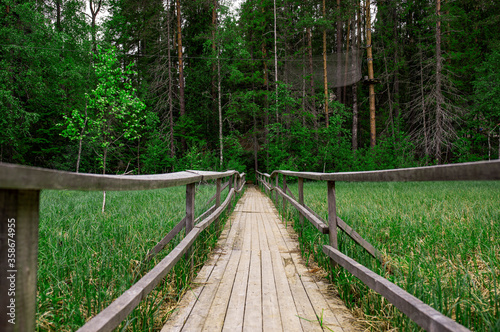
87, 259
441, 241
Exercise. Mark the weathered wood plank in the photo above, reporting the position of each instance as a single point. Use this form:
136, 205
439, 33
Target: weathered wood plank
309, 216
473, 171
425, 316
217, 313
117, 311
271, 316
253, 304
18, 261
163, 242
332, 214
14, 176
236, 309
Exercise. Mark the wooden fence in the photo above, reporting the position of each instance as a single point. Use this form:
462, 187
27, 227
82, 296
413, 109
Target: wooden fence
19, 209
422, 314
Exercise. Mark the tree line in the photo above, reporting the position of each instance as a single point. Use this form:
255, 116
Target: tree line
138, 86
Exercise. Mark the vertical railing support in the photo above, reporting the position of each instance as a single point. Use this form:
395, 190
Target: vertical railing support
190, 190
277, 186
301, 200
332, 217
19, 213
284, 191
217, 198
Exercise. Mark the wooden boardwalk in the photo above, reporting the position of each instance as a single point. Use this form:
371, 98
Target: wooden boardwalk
256, 281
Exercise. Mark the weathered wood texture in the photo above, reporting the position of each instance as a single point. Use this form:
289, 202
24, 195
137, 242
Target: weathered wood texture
481, 170
425, 316
25, 177
319, 224
256, 281
18, 262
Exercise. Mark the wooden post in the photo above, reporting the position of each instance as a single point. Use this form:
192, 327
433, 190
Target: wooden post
301, 199
284, 190
217, 198
332, 218
190, 190
18, 261
277, 186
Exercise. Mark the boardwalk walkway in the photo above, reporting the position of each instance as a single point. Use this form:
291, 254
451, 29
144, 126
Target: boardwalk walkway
255, 281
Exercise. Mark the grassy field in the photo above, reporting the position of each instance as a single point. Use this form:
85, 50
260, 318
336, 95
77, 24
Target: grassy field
441, 241
87, 259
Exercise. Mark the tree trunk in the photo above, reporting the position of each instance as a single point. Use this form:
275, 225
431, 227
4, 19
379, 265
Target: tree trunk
214, 29
396, 68
339, 52
439, 93
170, 101
266, 100
94, 10
80, 141
181, 72
325, 76
311, 73
58, 15
370, 74
276, 62
221, 142
355, 87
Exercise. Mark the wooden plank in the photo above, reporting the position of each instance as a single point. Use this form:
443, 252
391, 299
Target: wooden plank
188, 301
253, 304
19, 213
425, 316
359, 239
236, 308
305, 310
271, 316
332, 215
117, 311
308, 215
353, 235
205, 214
472, 171
14, 176
163, 242
217, 313
200, 310
301, 199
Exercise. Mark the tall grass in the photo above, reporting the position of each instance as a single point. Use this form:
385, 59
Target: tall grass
441, 241
87, 258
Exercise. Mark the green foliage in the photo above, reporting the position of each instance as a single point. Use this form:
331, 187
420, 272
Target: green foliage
113, 110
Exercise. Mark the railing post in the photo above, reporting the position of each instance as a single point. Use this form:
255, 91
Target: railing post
190, 190
284, 191
277, 186
217, 197
19, 213
301, 199
332, 217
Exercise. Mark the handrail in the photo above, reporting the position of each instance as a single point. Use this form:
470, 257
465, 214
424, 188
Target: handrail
422, 314
473, 171
19, 210
14, 176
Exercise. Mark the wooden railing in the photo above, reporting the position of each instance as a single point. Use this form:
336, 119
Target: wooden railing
421, 313
19, 210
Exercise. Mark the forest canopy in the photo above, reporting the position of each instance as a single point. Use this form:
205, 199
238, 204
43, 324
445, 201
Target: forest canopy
327, 85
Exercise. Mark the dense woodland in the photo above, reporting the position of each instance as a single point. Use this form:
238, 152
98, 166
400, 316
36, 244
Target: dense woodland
150, 86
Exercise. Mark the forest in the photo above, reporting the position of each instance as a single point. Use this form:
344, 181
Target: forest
155, 86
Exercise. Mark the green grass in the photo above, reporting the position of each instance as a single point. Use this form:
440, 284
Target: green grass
87, 259
441, 240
